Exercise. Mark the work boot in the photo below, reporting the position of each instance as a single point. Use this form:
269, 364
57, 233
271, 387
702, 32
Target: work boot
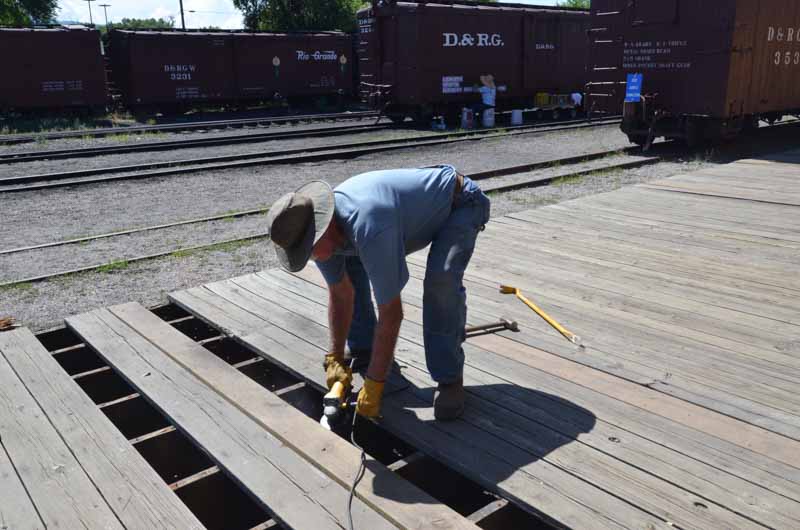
448, 401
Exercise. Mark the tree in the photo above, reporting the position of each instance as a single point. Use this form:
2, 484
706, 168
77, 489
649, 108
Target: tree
145, 23
26, 12
299, 15
575, 4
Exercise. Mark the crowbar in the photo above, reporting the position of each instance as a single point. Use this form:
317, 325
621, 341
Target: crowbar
506, 289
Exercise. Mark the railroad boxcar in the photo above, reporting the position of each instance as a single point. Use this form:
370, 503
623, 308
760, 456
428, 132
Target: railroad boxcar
698, 70
172, 68
52, 68
423, 58
293, 65
177, 68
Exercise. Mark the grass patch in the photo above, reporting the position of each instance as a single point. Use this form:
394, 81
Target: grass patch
22, 287
574, 179
180, 254
113, 266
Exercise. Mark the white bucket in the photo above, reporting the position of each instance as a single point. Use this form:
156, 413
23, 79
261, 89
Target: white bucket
516, 117
488, 118
467, 119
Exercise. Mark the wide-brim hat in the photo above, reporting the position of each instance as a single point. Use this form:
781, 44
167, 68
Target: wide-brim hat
487, 80
298, 220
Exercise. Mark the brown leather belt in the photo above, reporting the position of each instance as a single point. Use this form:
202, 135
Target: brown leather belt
458, 187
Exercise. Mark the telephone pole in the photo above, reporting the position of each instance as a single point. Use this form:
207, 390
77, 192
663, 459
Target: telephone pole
91, 22
104, 6
183, 21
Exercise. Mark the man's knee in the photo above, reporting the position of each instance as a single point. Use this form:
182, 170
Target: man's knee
442, 287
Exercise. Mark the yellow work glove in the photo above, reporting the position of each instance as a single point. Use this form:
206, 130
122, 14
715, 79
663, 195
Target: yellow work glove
337, 370
369, 399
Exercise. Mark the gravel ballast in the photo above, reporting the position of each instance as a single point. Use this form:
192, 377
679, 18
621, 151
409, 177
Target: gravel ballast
44, 305
67, 213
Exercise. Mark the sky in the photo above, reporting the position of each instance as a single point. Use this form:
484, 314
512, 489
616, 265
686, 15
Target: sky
219, 13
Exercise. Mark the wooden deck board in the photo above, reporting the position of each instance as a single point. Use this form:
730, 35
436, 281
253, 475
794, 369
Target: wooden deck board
689, 306
498, 459
384, 491
285, 484
64, 496
493, 394
133, 490
17, 509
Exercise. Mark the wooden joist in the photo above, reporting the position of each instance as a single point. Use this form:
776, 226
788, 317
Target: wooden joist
280, 480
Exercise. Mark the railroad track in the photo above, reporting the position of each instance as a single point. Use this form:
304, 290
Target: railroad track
13, 158
491, 181
177, 127
260, 158
61, 154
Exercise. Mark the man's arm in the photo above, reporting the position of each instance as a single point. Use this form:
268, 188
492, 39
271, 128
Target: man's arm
340, 313
390, 316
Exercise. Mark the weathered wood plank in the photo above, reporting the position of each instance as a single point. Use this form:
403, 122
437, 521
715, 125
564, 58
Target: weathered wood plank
551, 447
633, 408
538, 485
133, 490
290, 488
16, 509
63, 495
382, 490
749, 411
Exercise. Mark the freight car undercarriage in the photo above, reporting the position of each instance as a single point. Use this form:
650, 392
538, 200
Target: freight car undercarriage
644, 122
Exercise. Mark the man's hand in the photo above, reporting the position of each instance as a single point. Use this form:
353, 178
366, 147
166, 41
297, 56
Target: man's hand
369, 399
337, 370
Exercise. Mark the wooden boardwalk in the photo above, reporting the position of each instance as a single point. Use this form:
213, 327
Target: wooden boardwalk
680, 410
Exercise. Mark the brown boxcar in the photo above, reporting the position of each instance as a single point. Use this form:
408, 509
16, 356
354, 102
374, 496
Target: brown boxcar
279, 65
708, 69
185, 68
170, 67
423, 58
56, 67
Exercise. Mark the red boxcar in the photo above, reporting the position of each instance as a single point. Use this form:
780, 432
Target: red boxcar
704, 70
57, 67
427, 57
175, 67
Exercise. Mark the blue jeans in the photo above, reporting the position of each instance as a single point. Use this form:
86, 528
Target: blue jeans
444, 307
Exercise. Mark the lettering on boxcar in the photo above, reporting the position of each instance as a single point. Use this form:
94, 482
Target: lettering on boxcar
780, 34
452, 84
180, 72
545, 46
317, 55
654, 55
467, 40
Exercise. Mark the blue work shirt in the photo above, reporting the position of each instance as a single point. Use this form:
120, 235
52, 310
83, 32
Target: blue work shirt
386, 215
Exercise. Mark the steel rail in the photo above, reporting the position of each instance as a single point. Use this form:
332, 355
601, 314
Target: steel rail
481, 176
187, 126
60, 154
301, 155
256, 211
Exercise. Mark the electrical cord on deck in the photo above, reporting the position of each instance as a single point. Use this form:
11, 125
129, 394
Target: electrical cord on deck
361, 470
